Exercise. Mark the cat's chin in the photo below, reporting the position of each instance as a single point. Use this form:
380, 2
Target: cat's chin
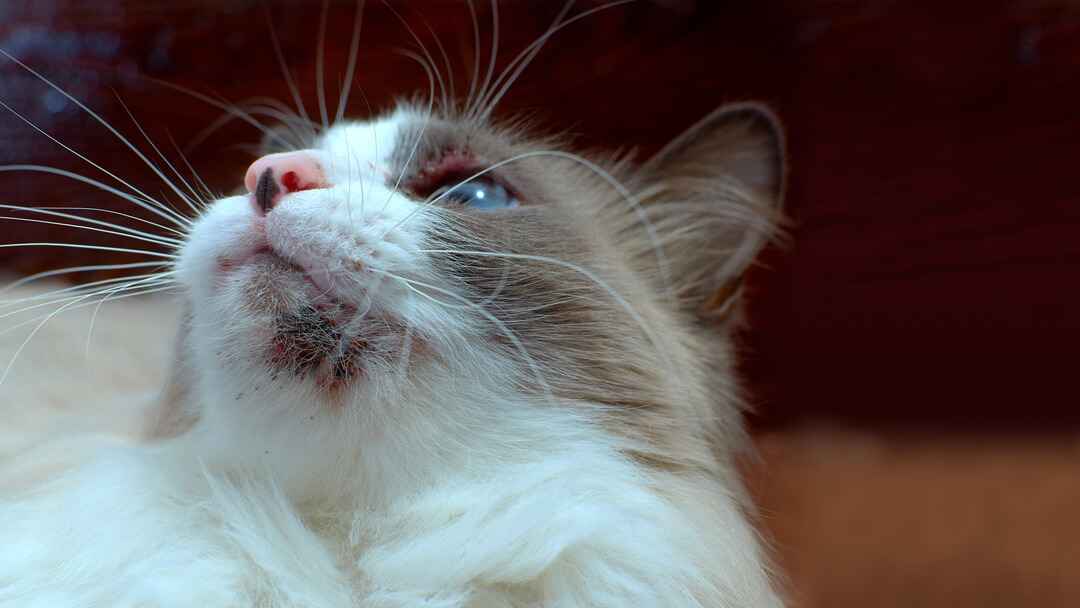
305, 334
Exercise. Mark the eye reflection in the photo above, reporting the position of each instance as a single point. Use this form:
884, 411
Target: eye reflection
482, 193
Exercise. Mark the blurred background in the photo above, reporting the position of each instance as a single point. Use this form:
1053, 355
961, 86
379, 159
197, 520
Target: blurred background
911, 353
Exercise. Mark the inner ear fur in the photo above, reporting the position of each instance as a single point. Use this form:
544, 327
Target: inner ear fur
714, 196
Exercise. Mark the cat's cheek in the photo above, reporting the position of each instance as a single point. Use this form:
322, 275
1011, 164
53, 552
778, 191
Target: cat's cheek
220, 242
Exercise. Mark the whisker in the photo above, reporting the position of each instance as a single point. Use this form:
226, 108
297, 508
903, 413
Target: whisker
348, 192
470, 116
169, 256
320, 55
119, 230
474, 77
661, 259
428, 59
619, 299
93, 317
350, 67
448, 92
206, 193
533, 366
375, 145
420, 135
41, 323
190, 202
76, 269
73, 292
284, 67
523, 59
529, 52
273, 108
149, 204
129, 216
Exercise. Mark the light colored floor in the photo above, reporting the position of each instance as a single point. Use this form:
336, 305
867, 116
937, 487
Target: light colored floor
871, 520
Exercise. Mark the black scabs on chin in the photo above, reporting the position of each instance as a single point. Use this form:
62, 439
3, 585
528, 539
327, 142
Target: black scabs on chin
311, 340
304, 338
266, 190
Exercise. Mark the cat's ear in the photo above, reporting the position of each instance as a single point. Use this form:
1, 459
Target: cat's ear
742, 141
714, 195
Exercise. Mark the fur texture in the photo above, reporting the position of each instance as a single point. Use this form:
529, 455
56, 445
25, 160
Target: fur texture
384, 393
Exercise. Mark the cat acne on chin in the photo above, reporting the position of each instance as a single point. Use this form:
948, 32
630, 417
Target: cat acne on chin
395, 383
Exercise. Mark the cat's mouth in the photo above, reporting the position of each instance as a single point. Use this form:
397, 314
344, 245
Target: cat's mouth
311, 335
317, 279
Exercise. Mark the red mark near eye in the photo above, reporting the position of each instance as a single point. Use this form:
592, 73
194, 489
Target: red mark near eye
451, 167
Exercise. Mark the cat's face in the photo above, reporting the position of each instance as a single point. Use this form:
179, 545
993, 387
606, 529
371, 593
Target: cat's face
369, 263
403, 266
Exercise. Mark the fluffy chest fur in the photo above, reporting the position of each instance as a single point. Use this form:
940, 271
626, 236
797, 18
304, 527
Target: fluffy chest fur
429, 361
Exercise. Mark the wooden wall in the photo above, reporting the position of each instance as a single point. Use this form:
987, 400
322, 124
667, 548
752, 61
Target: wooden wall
931, 277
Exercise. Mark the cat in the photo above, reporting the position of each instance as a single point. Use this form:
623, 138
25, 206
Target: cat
428, 359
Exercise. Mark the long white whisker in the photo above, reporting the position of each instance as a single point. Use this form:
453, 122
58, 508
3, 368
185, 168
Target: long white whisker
419, 136
116, 230
146, 201
348, 193
72, 292
75, 301
471, 116
523, 58
350, 68
661, 259
43, 321
168, 256
82, 287
129, 216
190, 201
259, 105
206, 193
320, 56
619, 299
533, 366
448, 91
507, 79
654, 240
284, 66
375, 145
430, 61
93, 317
475, 76
155, 208
74, 269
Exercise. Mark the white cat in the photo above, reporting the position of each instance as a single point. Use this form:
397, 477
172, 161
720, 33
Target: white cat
427, 361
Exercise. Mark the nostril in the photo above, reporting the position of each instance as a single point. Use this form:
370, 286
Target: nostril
266, 190
293, 182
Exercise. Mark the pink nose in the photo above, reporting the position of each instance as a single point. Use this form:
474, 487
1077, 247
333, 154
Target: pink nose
275, 175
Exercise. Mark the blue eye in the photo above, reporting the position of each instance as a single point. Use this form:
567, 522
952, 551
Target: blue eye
482, 193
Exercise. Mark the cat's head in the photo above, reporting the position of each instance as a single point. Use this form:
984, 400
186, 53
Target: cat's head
426, 267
